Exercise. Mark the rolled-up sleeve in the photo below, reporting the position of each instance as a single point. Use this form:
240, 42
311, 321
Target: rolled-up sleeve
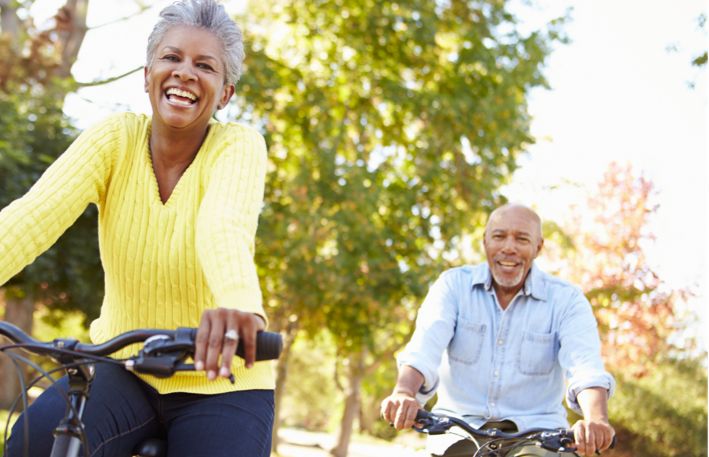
435, 326
580, 351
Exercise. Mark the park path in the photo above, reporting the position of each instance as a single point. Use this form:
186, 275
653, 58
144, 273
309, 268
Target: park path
299, 443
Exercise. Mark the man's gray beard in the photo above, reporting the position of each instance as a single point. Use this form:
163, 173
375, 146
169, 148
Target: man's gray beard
517, 280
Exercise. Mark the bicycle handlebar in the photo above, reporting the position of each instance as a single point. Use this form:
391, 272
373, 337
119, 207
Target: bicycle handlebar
161, 355
557, 440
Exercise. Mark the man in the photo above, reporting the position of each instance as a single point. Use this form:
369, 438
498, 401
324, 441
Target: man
497, 341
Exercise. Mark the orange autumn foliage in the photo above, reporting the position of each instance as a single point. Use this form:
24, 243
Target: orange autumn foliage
636, 310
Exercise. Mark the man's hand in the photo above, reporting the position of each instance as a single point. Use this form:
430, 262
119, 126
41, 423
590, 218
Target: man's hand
592, 436
218, 336
399, 409
594, 433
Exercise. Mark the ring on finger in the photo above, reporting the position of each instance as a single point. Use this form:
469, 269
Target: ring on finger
231, 335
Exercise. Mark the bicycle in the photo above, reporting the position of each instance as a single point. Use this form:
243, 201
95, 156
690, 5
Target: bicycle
163, 353
494, 442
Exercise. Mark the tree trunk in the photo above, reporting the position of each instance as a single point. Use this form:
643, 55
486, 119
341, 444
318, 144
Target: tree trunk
368, 415
281, 375
10, 23
352, 403
71, 28
18, 311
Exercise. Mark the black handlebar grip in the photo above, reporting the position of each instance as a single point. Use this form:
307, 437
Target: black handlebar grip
268, 346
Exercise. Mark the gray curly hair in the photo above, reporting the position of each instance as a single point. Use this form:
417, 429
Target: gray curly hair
208, 15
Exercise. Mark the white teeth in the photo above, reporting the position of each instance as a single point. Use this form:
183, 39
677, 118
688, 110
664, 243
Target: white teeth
181, 93
508, 264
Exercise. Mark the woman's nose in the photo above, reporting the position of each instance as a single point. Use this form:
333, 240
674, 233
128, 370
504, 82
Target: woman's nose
184, 71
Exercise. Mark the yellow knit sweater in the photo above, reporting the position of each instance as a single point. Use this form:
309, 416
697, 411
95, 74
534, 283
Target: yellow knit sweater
164, 263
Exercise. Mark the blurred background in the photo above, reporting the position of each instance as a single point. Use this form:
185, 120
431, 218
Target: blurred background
394, 128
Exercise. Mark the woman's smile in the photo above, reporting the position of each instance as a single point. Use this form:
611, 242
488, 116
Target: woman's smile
186, 79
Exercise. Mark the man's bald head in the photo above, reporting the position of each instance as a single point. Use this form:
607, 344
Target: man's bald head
516, 210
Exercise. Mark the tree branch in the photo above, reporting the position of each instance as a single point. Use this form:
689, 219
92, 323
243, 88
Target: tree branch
143, 8
108, 80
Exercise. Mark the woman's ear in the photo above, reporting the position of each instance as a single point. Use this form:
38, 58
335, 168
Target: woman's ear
145, 78
226, 95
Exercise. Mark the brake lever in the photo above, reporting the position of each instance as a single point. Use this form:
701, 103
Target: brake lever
556, 441
161, 355
159, 344
433, 426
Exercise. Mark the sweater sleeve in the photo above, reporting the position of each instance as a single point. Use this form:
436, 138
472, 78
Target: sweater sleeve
228, 218
31, 224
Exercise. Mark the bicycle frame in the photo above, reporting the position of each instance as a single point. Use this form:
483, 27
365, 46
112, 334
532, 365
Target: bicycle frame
67, 435
163, 353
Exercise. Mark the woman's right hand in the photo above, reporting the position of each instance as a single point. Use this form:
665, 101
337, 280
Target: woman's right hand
218, 336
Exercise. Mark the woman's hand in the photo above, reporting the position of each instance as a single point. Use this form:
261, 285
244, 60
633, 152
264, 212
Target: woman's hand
219, 333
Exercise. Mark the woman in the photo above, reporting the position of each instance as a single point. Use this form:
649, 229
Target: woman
179, 197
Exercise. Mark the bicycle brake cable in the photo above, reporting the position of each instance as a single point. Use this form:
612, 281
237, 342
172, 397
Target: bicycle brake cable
43, 374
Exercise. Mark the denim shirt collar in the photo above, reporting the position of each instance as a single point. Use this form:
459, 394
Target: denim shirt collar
534, 285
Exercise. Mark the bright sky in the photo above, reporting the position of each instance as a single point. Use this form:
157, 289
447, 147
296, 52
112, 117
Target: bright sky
617, 93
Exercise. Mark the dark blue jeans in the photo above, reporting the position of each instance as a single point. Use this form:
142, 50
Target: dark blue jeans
123, 411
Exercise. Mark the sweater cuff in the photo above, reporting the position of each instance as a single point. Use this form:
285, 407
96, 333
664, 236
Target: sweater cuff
245, 300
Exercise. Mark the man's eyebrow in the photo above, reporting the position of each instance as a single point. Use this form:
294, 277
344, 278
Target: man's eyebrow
515, 232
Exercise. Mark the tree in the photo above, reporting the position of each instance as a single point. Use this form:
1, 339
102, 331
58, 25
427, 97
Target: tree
636, 310
701, 59
391, 125
33, 85
603, 249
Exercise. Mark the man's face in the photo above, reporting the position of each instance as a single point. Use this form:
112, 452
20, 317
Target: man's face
512, 241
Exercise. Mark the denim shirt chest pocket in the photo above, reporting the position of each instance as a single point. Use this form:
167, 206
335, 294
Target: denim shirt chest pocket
537, 353
467, 343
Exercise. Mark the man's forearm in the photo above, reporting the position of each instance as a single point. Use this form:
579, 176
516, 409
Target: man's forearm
409, 381
594, 403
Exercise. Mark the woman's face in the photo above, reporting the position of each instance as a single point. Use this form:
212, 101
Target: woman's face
186, 79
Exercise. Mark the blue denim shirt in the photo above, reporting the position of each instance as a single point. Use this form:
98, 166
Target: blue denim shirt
487, 363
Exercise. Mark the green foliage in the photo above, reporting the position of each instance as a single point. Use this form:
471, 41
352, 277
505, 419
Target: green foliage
4, 417
35, 132
55, 323
665, 411
391, 125
701, 59
310, 385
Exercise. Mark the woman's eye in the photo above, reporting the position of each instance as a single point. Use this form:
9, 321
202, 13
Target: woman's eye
205, 66
171, 58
